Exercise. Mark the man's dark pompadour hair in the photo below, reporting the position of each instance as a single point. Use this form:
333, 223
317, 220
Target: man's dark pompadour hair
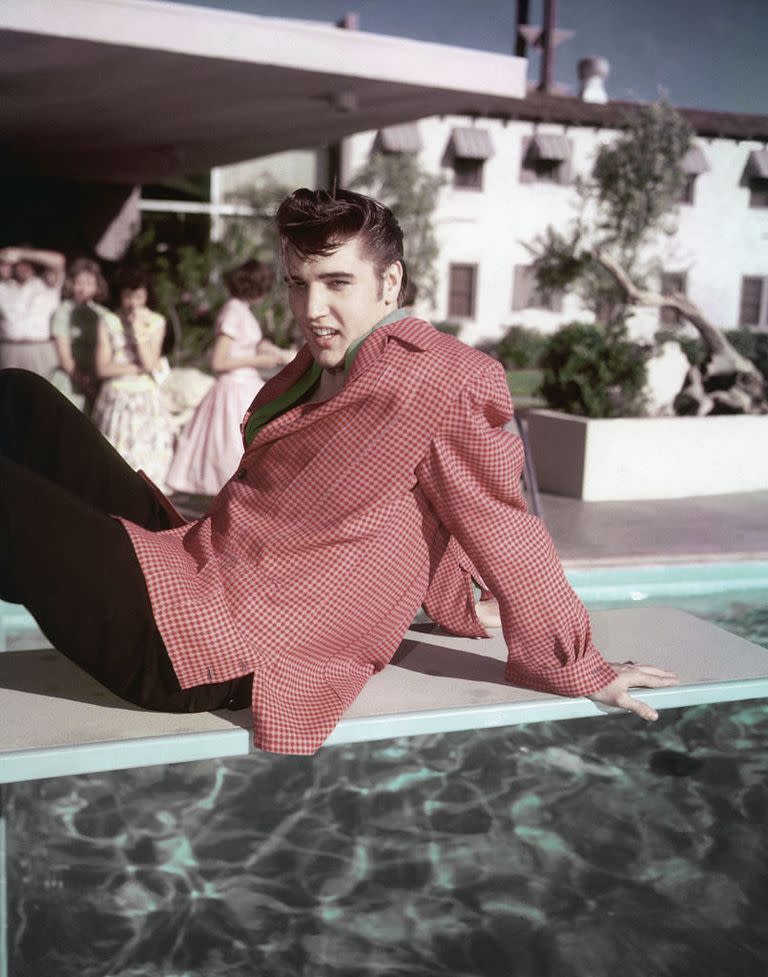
315, 223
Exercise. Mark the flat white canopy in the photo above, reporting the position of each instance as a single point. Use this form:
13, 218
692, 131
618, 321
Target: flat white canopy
130, 90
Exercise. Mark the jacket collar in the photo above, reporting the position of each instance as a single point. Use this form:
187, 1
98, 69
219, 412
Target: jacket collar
279, 394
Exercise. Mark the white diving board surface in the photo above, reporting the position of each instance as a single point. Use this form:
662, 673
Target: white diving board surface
55, 720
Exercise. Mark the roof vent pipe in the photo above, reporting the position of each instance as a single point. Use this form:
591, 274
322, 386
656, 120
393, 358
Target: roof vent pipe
592, 74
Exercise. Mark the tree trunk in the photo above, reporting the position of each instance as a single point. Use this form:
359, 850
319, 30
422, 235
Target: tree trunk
727, 382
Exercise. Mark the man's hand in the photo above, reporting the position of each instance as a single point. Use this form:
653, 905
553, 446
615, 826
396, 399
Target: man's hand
632, 676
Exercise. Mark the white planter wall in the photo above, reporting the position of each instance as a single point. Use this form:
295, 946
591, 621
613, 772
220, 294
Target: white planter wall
616, 459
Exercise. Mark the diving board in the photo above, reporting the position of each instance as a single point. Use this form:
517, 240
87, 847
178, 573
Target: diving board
55, 720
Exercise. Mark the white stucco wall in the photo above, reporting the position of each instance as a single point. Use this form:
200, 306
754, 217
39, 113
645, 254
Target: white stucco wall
719, 238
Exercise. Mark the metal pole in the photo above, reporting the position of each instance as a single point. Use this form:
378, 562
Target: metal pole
523, 11
548, 46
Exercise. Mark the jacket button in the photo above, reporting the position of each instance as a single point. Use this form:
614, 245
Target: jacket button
241, 474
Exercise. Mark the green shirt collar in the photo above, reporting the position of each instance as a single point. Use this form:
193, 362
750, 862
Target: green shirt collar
269, 411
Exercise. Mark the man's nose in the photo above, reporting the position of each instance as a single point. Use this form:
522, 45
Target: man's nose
317, 305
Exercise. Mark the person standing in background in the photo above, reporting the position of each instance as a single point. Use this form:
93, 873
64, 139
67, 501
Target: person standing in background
27, 303
129, 409
75, 330
211, 444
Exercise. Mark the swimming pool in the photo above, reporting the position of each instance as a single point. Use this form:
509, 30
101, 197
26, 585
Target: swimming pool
580, 848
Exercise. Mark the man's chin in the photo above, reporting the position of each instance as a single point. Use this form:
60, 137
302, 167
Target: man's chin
329, 360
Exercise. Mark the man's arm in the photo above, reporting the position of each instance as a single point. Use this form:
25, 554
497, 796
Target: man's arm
471, 475
49, 259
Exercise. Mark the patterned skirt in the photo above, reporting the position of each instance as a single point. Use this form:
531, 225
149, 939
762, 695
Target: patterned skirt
133, 418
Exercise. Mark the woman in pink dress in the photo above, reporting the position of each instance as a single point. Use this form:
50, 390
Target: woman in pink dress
210, 446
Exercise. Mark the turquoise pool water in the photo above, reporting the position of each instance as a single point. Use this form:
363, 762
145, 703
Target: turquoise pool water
583, 848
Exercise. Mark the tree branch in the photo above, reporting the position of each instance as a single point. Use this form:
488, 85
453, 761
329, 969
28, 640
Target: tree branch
714, 339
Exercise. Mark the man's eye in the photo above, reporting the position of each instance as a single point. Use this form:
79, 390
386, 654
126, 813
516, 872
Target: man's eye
339, 283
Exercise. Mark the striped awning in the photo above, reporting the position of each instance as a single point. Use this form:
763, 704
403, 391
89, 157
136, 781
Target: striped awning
469, 142
400, 139
695, 162
551, 147
757, 165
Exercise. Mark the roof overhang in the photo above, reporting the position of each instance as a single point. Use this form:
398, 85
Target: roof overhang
131, 91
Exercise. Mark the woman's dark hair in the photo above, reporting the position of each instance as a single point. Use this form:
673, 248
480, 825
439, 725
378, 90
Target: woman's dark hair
250, 280
129, 278
315, 223
86, 266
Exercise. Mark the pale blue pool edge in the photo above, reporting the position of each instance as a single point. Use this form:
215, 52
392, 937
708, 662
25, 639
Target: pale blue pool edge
629, 583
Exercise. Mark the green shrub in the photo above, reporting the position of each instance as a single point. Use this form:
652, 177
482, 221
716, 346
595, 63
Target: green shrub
753, 345
585, 372
518, 349
693, 346
452, 328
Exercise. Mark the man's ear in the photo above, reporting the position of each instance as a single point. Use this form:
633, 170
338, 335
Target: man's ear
393, 278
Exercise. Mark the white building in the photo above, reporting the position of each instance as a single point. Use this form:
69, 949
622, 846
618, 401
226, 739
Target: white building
507, 179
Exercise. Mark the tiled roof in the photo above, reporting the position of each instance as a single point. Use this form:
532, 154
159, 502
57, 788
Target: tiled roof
569, 110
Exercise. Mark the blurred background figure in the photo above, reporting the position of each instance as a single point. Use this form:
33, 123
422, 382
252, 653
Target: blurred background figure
129, 410
27, 303
75, 330
210, 447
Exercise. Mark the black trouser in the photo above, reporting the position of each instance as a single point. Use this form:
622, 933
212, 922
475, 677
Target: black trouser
70, 563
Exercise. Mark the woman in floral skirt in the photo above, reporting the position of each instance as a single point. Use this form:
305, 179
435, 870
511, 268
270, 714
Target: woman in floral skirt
129, 409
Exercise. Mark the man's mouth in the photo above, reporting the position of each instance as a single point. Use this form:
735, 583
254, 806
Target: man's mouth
321, 332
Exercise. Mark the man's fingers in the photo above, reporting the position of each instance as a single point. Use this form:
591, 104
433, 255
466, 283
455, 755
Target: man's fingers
637, 667
641, 708
657, 679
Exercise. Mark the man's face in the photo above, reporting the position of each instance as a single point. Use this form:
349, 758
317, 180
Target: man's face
337, 299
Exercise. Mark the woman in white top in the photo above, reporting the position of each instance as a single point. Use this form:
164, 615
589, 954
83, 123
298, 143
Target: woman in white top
27, 303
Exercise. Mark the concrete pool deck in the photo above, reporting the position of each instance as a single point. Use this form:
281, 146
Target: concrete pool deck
704, 528
693, 530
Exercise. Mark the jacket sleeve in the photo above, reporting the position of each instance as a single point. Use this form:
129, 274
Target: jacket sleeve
471, 477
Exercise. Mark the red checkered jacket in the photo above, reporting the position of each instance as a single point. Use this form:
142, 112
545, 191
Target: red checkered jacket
343, 518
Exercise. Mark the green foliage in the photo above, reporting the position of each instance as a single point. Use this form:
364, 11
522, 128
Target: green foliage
585, 372
188, 280
637, 180
524, 384
753, 345
452, 328
519, 348
692, 346
632, 195
399, 182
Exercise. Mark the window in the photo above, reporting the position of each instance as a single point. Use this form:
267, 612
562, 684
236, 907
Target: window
467, 152
525, 294
687, 193
753, 309
468, 173
671, 282
461, 291
758, 192
755, 177
693, 164
546, 159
